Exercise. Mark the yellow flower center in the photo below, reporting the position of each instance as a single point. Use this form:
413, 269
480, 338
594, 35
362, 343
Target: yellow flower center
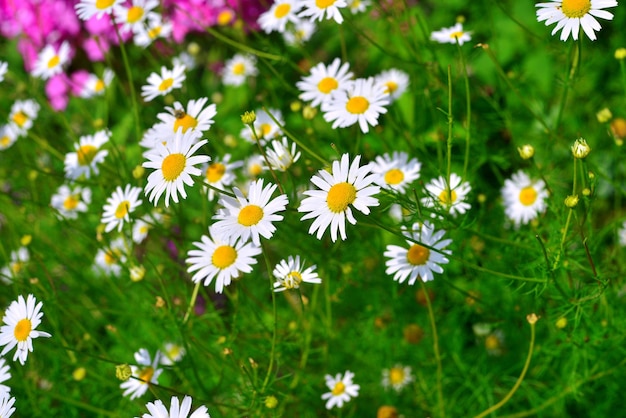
185, 121
250, 215
71, 202
266, 128
146, 374
340, 196
20, 118
86, 154
99, 86
22, 329
295, 276
338, 389
255, 169
322, 4
575, 8
396, 376
104, 4
447, 196
5, 141
225, 17
172, 166
391, 87
456, 35
394, 176
54, 61
174, 351
527, 196
16, 267
327, 84
223, 256
122, 209
357, 104
154, 32
417, 255
215, 172
166, 84
239, 68
135, 13
492, 342
282, 10
111, 256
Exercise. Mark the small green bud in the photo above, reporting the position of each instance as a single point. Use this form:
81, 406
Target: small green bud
248, 118
580, 149
123, 372
526, 151
571, 201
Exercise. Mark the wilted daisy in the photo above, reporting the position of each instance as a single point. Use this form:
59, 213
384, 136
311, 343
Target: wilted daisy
177, 410
95, 86
221, 257
50, 62
300, 32
396, 172
88, 155
452, 198
323, 9
323, 80
347, 185
86, 9
281, 12
8, 136
281, 156
119, 206
395, 82
17, 260
362, 102
422, 258
252, 216
22, 115
290, 273
6, 405
197, 118
133, 16
451, 35
4, 67
358, 6
174, 165
524, 199
160, 85
68, 201
21, 319
154, 28
264, 126
109, 259
219, 174
5, 375
172, 353
238, 69
342, 389
397, 377
146, 372
570, 15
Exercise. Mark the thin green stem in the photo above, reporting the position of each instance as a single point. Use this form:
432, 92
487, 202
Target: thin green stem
275, 320
572, 72
131, 85
262, 151
192, 301
468, 104
433, 326
449, 141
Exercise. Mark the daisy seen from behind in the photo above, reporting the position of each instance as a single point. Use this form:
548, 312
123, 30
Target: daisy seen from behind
146, 372
571, 15
323, 80
69, 201
449, 198
22, 115
342, 389
219, 174
177, 409
451, 35
222, 258
299, 33
50, 61
323, 9
423, 256
524, 199
154, 28
280, 156
119, 206
197, 118
397, 377
21, 319
396, 171
238, 69
346, 186
277, 17
161, 84
174, 165
86, 9
290, 273
96, 86
87, 155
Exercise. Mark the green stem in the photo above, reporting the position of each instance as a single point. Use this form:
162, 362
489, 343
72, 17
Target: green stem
131, 85
570, 78
431, 316
468, 104
275, 319
192, 301
449, 141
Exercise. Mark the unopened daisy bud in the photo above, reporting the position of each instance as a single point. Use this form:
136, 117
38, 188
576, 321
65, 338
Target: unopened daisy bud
561, 322
386, 411
79, 374
217, 97
159, 302
137, 273
532, 318
248, 118
138, 172
580, 149
123, 372
620, 53
604, 115
586, 191
618, 128
32, 175
309, 112
25, 240
526, 151
460, 19
98, 123
295, 106
230, 141
271, 402
193, 48
571, 201
253, 363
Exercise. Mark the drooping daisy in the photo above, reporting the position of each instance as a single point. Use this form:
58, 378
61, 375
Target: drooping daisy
22, 115
280, 156
219, 174
4, 67
238, 69
86, 9
95, 86
221, 257
146, 372
290, 273
347, 185
358, 6
300, 32
451, 35
88, 154
133, 16
21, 319
8, 136
154, 29
6, 406
197, 118
397, 377
177, 410
109, 259
570, 15
396, 172
160, 85
174, 165
362, 102
264, 126
250, 217
342, 389
119, 206
281, 12
17, 261
68, 201
5, 375
323, 9
50, 62
172, 353
395, 82
524, 199
323, 80
449, 198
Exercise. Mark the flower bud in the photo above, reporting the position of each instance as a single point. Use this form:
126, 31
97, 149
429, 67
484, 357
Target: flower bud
571, 201
580, 149
604, 115
248, 118
620, 53
526, 151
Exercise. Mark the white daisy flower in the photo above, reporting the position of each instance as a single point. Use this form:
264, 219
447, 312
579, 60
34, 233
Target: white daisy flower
290, 273
6, 406
174, 165
4, 67
88, 154
362, 102
254, 166
68, 201
140, 230
154, 29
109, 260
358, 6
86, 9
5, 375
50, 62
146, 372
264, 126
280, 156
22, 115
160, 85
17, 261
172, 353
238, 69
323, 80
184, 58
395, 81
347, 185
570, 15
95, 86
322, 9
119, 206
133, 16
452, 198
221, 257
177, 410
422, 258
281, 12
8, 136
250, 217
197, 118
397, 377
396, 172
21, 319
524, 199
621, 235
451, 35
342, 389
219, 174
299, 33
